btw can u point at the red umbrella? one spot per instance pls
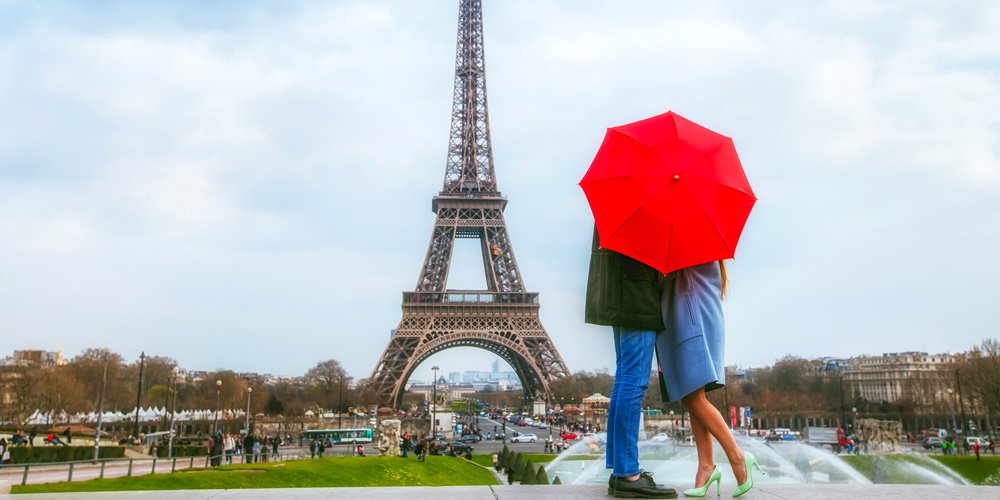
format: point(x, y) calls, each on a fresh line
point(668, 192)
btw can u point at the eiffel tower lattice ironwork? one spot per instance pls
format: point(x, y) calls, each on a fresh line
point(502, 319)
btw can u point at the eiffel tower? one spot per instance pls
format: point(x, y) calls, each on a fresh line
point(502, 319)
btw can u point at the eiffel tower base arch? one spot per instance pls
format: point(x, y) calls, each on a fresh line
point(512, 331)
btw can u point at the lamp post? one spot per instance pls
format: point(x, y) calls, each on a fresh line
point(215, 420)
point(246, 426)
point(843, 417)
point(854, 426)
point(340, 403)
point(961, 401)
point(434, 392)
point(100, 411)
point(173, 412)
point(138, 397)
point(951, 406)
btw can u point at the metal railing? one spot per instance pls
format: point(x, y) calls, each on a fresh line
point(471, 297)
point(136, 466)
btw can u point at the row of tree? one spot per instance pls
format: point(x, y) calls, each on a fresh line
point(791, 386)
point(77, 386)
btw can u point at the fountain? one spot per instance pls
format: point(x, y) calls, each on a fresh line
point(786, 462)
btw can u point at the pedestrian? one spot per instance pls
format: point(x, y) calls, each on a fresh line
point(275, 444)
point(975, 448)
point(4, 451)
point(31, 436)
point(69, 435)
point(419, 450)
point(217, 448)
point(624, 294)
point(496, 462)
point(312, 448)
point(256, 451)
point(248, 448)
point(229, 447)
point(320, 448)
point(361, 450)
point(406, 445)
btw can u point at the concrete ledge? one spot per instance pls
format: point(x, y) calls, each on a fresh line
point(590, 491)
point(5, 487)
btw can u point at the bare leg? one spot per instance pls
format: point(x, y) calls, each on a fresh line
point(703, 443)
point(715, 424)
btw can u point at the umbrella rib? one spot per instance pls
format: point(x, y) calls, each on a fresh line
point(714, 223)
point(727, 186)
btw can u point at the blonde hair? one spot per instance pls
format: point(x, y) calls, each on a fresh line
point(725, 280)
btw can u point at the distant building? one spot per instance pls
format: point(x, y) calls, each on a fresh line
point(917, 376)
point(828, 365)
point(739, 374)
point(36, 359)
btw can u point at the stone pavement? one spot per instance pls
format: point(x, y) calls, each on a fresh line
point(564, 492)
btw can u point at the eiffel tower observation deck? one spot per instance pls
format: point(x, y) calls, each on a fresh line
point(503, 318)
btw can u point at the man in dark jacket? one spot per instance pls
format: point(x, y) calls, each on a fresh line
point(248, 448)
point(624, 294)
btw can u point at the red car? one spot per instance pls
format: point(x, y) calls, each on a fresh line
point(569, 436)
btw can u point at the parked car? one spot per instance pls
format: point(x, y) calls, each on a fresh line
point(931, 442)
point(521, 423)
point(457, 448)
point(468, 438)
point(569, 436)
point(524, 438)
point(983, 442)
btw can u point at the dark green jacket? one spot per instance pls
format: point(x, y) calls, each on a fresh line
point(622, 291)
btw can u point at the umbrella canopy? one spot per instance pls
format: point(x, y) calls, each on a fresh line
point(668, 192)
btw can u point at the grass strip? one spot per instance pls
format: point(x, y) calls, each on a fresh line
point(316, 473)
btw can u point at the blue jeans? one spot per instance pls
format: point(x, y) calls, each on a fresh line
point(633, 359)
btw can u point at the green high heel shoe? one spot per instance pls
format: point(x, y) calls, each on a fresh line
point(716, 478)
point(751, 462)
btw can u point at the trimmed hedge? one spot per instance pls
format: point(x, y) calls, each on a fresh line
point(541, 477)
point(44, 454)
point(182, 451)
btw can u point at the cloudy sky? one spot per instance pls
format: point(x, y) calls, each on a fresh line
point(247, 185)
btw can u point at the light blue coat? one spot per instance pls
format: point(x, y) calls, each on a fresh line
point(690, 351)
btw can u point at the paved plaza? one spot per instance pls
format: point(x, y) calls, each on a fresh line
point(782, 492)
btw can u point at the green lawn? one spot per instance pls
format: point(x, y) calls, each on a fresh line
point(318, 473)
point(967, 467)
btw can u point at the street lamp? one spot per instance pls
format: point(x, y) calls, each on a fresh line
point(173, 412)
point(100, 410)
point(138, 397)
point(434, 392)
point(951, 406)
point(854, 426)
point(215, 421)
point(961, 401)
point(246, 426)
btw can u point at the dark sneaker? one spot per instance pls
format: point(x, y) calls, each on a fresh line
point(611, 486)
point(644, 487)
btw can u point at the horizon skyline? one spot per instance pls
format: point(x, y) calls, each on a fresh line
point(444, 374)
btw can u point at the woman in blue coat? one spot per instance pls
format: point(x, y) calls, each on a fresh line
point(690, 353)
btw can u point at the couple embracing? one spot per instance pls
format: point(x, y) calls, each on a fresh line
point(670, 200)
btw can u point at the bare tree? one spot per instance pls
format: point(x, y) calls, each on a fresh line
point(980, 372)
point(327, 376)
